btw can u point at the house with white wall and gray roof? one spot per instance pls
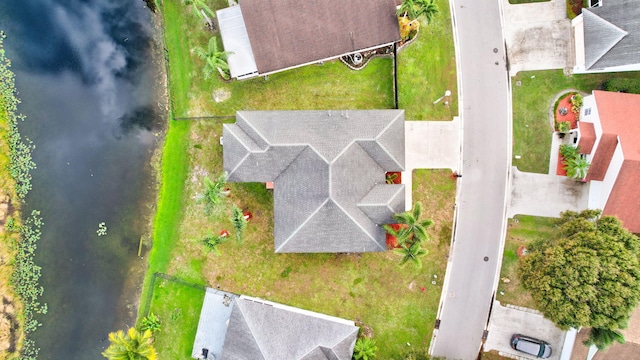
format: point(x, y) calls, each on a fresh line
point(233, 327)
point(328, 169)
point(607, 37)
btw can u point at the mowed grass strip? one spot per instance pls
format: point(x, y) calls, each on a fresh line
point(532, 101)
point(427, 68)
point(521, 231)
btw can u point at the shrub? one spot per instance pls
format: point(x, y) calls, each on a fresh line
point(631, 86)
point(365, 349)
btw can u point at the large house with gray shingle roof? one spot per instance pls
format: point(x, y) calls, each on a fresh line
point(609, 137)
point(268, 36)
point(607, 37)
point(328, 169)
point(235, 327)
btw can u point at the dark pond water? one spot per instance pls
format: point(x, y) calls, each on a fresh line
point(85, 74)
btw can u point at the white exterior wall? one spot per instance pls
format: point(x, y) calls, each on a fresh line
point(577, 26)
point(612, 175)
point(589, 102)
point(595, 188)
point(630, 67)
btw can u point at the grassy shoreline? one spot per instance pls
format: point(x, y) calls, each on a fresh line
point(8, 239)
point(19, 275)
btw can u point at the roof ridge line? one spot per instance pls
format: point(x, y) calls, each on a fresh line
point(303, 223)
point(372, 238)
point(621, 34)
point(248, 123)
point(251, 329)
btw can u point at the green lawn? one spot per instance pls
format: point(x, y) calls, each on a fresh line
point(328, 86)
point(532, 100)
point(370, 288)
point(427, 68)
point(521, 231)
point(179, 317)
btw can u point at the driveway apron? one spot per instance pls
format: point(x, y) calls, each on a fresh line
point(538, 36)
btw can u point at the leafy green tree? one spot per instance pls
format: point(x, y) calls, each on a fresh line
point(214, 192)
point(130, 346)
point(215, 60)
point(365, 349)
point(202, 11)
point(151, 323)
point(212, 242)
point(603, 338)
point(415, 229)
point(587, 274)
point(577, 167)
point(411, 253)
point(239, 222)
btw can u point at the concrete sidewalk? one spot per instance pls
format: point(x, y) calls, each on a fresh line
point(430, 145)
point(538, 36)
point(545, 195)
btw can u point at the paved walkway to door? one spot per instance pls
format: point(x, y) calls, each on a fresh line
point(430, 145)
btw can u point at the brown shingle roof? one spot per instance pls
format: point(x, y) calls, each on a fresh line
point(587, 137)
point(287, 33)
point(602, 158)
point(624, 200)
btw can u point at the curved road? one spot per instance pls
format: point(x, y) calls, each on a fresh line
point(486, 114)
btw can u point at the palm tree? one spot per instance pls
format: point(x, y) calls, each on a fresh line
point(202, 10)
point(211, 242)
point(416, 8)
point(214, 192)
point(239, 222)
point(577, 167)
point(365, 349)
point(416, 230)
point(569, 151)
point(130, 346)
point(411, 253)
point(402, 233)
point(215, 60)
point(603, 338)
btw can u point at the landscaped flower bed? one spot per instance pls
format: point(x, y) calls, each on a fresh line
point(566, 111)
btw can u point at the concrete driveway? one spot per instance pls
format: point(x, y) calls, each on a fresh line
point(508, 320)
point(538, 36)
point(430, 145)
point(545, 195)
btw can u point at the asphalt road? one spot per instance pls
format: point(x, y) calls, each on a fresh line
point(485, 112)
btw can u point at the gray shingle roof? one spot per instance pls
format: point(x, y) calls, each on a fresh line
point(287, 33)
point(612, 34)
point(328, 169)
point(263, 330)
